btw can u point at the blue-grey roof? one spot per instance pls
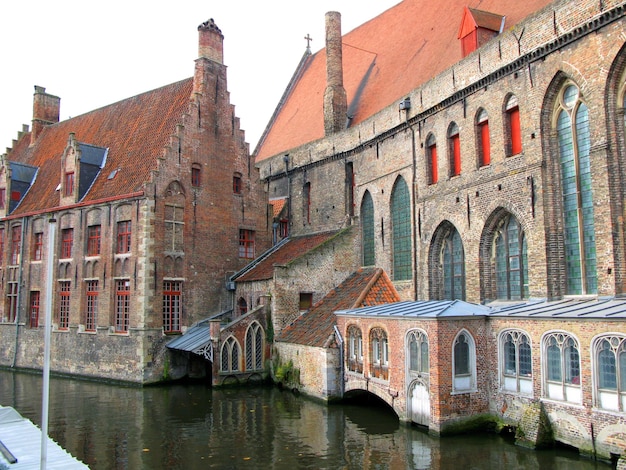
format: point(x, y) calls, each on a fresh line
point(593, 308)
point(23, 440)
point(420, 309)
point(194, 339)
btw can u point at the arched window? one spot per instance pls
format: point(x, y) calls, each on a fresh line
point(355, 352)
point(431, 159)
point(464, 363)
point(418, 352)
point(513, 127)
point(561, 364)
point(379, 354)
point(401, 229)
point(367, 230)
point(230, 355)
point(254, 347)
point(511, 263)
point(482, 138)
point(516, 362)
point(242, 306)
point(453, 263)
point(609, 355)
point(574, 150)
point(454, 149)
point(306, 203)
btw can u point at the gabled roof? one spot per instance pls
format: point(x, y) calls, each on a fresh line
point(290, 250)
point(474, 19)
point(135, 132)
point(367, 286)
point(383, 60)
point(277, 205)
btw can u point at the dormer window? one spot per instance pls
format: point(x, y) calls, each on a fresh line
point(68, 187)
point(477, 28)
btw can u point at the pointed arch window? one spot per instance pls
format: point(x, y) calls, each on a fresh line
point(418, 352)
point(464, 363)
point(355, 353)
point(482, 138)
point(454, 149)
point(431, 159)
point(367, 230)
point(562, 367)
point(574, 149)
point(230, 355)
point(511, 260)
point(254, 347)
point(401, 230)
point(379, 354)
point(242, 306)
point(453, 264)
point(609, 355)
point(516, 362)
point(513, 127)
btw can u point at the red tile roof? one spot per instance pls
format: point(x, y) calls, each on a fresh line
point(383, 60)
point(365, 287)
point(291, 250)
point(277, 205)
point(134, 131)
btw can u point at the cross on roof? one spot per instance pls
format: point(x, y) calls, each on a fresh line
point(308, 41)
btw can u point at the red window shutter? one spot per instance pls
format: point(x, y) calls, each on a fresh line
point(456, 148)
point(434, 174)
point(486, 145)
point(516, 131)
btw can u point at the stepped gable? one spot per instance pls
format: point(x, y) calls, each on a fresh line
point(285, 254)
point(366, 287)
point(135, 132)
point(383, 60)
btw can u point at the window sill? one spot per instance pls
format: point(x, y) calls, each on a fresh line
point(554, 401)
point(463, 392)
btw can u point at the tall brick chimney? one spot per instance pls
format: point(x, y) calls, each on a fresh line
point(46, 109)
point(210, 42)
point(335, 99)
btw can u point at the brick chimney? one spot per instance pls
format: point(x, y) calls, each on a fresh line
point(335, 100)
point(210, 42)
point(46, 110)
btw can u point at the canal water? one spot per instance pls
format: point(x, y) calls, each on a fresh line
point(191, 426)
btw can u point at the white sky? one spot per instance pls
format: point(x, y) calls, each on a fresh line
point(91, 54)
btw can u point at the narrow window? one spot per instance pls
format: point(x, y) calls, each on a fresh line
point(349, 185)
point(242, 306)
point(610, 366)
point(516, 362)
point(431, 158)
point(306, 203)
point(230, 355)
point(68, 188)
point(573, 132)
point(379, 364)
point(355, 354)
point(454, 150)
point(453, 263)
point(34, 309)
point(254, 347)
point(401, 231)
point(123, 236)
point(237, 186)
point(511, 260)
point(367, 230)
point(195, 175)
point(172, 305)
point(464, 363)
point(1, 246)
point(562, 365)
point(246, 244)
point(11, 315)
point(64, 305)
point(67, 240)
point(484, 144)
point(122, 305)
point(91, 307)
point(16, 244)
point(513, 127)
point(38, 246)
point(93, 240)
point(418, 352)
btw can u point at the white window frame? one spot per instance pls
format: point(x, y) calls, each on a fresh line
point(464, 383)
point(562, 390)
point(514, 382)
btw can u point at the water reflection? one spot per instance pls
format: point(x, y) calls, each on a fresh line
point(190, 426)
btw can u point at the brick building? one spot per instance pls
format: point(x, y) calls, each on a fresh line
point(155, 202)
point(480, 155)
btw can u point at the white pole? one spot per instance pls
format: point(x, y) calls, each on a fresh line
point(46, 354)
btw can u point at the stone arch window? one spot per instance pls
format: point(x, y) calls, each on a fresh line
point(355, 349)
point(511, 260)
point(417, 352)
point(431, 159)
point(454, 149)
point(401, 231)
point(609, 360)
point(254, 347)
point(367, 230)
point(512, 127)
point(379, 354)
point(515, 362)
point(453, 266)
point(574, 142)
point(463, 363)
point(230, 355)
point(242, 306)
point(483, 142)
point(561, 365)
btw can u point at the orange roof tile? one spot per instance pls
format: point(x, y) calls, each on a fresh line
point(134, 131)
point(365, 287)
point(277, 205)
point(383, 60)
